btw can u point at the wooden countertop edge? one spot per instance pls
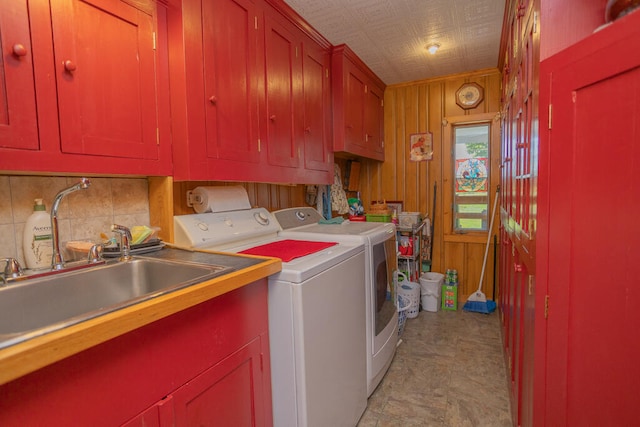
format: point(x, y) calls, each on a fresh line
point(31, 355)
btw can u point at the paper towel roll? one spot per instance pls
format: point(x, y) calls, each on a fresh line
point(219, 199)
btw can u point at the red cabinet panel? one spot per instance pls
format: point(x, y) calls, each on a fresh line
point(592, 271)
point(105, 59)
point(18, 121)
point(373, 120)
point(231, 393)
point(230, 74)
point(283, 93)
point(318, 150)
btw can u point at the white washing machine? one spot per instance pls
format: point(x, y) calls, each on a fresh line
point(379, 241)
point(316, 315)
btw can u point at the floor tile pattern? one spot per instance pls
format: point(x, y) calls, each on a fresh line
point(449, 370)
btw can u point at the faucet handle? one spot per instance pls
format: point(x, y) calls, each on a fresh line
point(95, 253)
point(13, 269)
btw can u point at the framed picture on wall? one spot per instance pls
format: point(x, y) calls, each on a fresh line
point(420, 146)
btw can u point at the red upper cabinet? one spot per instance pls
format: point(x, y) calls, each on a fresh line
point(18, 121)
point(358, 109)
point(241, 116)
point(95, 98)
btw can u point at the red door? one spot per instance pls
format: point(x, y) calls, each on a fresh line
point(284, 113)
point(354, 106)
point(104, 56)
point(18, 122)
point(317, 92)
point(592, 228)
point(230, 74)
point(228, 394)
point(373, 119)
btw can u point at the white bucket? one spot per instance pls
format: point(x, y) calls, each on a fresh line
point(430, 288)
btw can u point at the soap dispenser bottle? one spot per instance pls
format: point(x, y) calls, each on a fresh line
point(37, 242)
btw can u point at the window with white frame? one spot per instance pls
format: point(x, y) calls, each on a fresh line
point(471, 180)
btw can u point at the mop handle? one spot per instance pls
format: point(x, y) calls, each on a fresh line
point(486, 249)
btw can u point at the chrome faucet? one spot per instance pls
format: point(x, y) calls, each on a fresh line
point(125, 241)
point(57, 261)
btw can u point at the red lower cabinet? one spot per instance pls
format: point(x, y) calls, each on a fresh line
point(226, 393)
point(208, 365)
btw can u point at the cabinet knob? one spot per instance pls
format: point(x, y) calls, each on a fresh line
point(517, 268)
point(213, 99)
point(349, 126)
point(307, 129)
point(272, 118)
point(19, 50)
point(69, 65)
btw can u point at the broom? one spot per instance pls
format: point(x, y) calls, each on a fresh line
point(477, 301)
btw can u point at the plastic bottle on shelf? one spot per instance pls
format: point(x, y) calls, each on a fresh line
point(37, 239)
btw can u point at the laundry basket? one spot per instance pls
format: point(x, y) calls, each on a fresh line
point(411, 291)
point(403, 307)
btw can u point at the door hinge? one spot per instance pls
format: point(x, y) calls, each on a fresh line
point(255, 22)
point(530, 284)
point(550, 114)
point(535, 22)
point(259, 145)
point(157, 136)
point(366, 89)
point(154, 40)
point(546, 306)
point(296, 51)
point(326, 72)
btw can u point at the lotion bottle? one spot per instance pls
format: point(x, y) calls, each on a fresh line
point(37, 243)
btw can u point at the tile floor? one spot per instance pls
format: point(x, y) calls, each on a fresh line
point(449, 370)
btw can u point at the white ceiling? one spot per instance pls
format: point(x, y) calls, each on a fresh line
point(391, 36)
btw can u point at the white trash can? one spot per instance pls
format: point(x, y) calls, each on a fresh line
point(430, 287)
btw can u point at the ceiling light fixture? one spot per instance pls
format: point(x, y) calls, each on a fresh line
point(433, 48)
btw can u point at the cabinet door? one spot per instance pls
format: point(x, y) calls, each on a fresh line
point(228, 394)
point(230, 75)
point(283, 70)
point(591, 225)
point(373, 119)
point(354, 109)
point(18, 123)
point(105, 63)
point(317, 92)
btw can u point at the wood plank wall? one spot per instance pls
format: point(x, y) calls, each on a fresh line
point(422, 106)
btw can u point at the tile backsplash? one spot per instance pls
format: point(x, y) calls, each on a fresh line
point(82, 215)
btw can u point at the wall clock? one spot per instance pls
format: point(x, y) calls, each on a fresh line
point(469, 95)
